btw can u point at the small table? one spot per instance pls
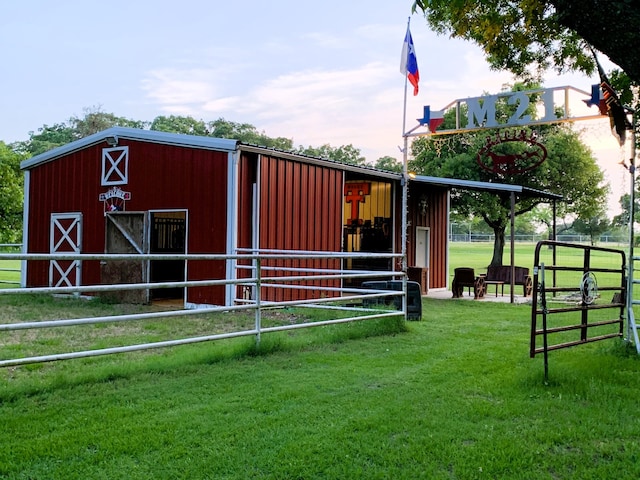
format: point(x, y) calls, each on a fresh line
point(497, 283)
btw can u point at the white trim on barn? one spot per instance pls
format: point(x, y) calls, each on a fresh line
point(232, 222)
point(25, 228)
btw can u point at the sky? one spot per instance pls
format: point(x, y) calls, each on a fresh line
point(315, 72)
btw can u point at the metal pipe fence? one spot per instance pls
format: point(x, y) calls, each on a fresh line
point(535, 238)
point(328, 288)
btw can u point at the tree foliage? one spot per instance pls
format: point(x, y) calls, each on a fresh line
point(569, 170)
point(220, 128)
point(11, 184)
point(345, 154)
point(94, 120)
point(388, 163)
point(529, 36)
point(594, 227)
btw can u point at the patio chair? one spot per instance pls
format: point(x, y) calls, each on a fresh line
point(465, 277)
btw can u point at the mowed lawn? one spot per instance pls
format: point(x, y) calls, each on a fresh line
point(454, 396)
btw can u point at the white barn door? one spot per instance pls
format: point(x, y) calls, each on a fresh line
point(65, 236)
point(422, 247)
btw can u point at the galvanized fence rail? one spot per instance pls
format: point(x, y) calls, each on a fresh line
point(333, 297)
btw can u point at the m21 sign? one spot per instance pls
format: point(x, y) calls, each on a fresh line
point(551, 105)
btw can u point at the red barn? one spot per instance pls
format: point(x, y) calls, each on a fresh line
point(137, 191)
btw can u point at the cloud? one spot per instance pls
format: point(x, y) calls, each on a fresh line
point(313, 106)
point(325, 40)
point(172, 88)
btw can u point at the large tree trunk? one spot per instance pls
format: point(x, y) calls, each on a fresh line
point(498, 246)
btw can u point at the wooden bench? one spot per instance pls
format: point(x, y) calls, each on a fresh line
point(501, 275)
point(465, 277)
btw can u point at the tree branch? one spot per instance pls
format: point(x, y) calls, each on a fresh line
point(611, 26)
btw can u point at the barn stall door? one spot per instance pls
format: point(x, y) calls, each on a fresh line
point(127, 233)
point(65, 237)
point(167, 236)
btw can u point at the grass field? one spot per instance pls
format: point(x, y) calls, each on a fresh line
point(454, 396)
point(9, 273)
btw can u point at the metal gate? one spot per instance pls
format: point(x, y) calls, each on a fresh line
point(573, 297)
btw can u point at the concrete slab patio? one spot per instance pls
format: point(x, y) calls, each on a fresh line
point(444, 294)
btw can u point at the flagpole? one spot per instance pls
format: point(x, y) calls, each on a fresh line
point(405, 175)
point(406, 81)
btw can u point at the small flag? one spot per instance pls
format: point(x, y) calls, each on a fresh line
point(409, 63)
point(597, 98)
point(433, 119)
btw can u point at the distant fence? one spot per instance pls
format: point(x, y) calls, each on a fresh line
point(343, 305)
point(535, 238)
point(9, 273)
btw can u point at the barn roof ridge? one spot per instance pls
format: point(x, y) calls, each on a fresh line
point(156, 136)
point(311, 159)
point(187, 140)
point(180, 139)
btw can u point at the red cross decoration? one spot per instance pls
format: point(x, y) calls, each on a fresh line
point(355, 194)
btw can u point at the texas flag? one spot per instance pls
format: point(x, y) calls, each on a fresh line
point(433, 119)
point(409, 63)
point(597, 98)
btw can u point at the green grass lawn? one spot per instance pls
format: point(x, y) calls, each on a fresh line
point(454, 396)
point(477, 255)
point(9, 277)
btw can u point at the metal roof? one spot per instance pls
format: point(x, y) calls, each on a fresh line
point(195, 141)
point(361, 169)
point(485, 186)
point(210, 143)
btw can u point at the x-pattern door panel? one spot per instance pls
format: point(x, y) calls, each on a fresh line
point(65, 237)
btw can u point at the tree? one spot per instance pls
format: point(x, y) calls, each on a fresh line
point(247, 133)
point(567, 159)
point(594, 226)
point(344, 154)
point(179, 124)
point(388, 163)
point(94, 120)
point(10, 195)
point(623, 218)
point(517, 35)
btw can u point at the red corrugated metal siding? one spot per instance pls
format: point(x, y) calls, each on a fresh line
point(300, 208)
point(65, 186)
point(436, 219)
point(247, 174)
point(160, 177)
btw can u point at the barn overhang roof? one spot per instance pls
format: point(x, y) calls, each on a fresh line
point(456, 183)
